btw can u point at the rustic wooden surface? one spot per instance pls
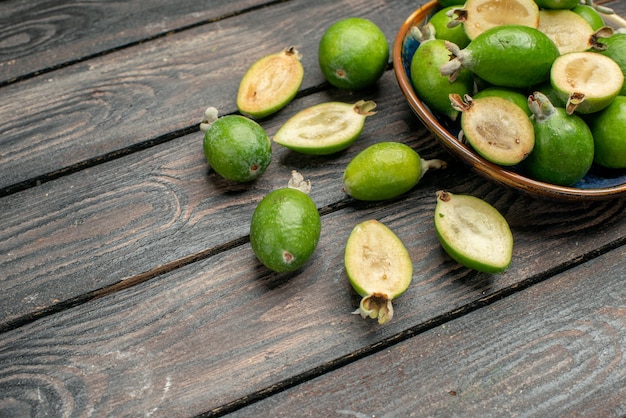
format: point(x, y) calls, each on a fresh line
point(128, 284)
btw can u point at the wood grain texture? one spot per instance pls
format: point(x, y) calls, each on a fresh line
point(140, 94)
point(153, 209)
point(139, 294)
point(131, 215)
point(220, 330)
point(530, 354)
point(37, 36)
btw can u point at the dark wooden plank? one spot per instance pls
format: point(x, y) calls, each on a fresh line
point(158, 208)
point(213, 332)
point(533, 353)
point(109, 223)
point(145, 93)
point(37, 36)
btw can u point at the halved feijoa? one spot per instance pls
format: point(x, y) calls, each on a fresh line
point(473, 232)
point(587, 81)
point(270, 84)
point(325, 128)
point(568, 30)
point(496, 128)
point(378, 267)
point(478, 16)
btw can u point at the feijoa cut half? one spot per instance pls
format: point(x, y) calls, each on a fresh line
point(568, 30)
point(473, 232)
point(325, 128)
point(379, 268)
point(587, 81)
point(478, 16)
point(496, 128)
point(270, 84)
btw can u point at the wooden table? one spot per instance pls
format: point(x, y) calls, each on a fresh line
point(129, 287)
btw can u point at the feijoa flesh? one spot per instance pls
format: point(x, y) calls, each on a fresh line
point(587, 81)
point(473, 232)
point(270, 84)
point(496, 128)
point(478, 16)
point(378, 267)
point(325, 128)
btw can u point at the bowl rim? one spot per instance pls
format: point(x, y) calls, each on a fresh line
point(459, 150)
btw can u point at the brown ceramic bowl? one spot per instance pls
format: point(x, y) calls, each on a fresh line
point(596, 185)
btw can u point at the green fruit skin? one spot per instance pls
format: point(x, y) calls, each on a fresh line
point(590, 14)
point(337, 50)
point(616, 50)
point(285, 220)
point(237, 148)
point(382, 171)
point(563, 151)
point(511, 56)
point(433, 88)
point(447, 3)
point(607, 128)
point(557, 4)
point(511, 95)
point(456, 34)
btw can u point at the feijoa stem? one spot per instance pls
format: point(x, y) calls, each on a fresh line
point(540, 106)
point(365, 108)
point(603, 32)
point(376, 306)
point(298, 182)
point(453, 67)
point(461, 104)
point(573, 101)
point(210, 116)
point(435, 164)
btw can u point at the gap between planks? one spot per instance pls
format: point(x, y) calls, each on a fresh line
point(408, 333)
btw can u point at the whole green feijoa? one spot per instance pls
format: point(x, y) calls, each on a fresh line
point(385, 170)
point(514, 56)
point(285, 229)
point(590, 14)
point(353, 53)
point(445, 29)
point(236, 147)
point(512, 95)
point(608, 127)
point(564, 147)
point(432, 87)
